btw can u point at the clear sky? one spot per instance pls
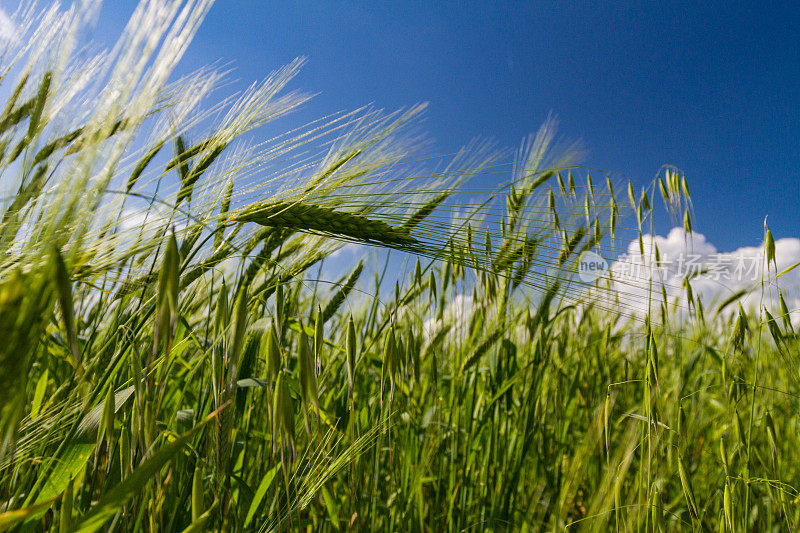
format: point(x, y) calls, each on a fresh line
point(713, 89)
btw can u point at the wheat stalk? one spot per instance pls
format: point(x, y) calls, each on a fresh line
point(301, 216)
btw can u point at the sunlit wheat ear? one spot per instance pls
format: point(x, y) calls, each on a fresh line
point(351, 349)
point(306, 217)
point(283, 415)
point(308, 380)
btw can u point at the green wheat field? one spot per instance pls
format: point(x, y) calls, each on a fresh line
point(207, 323)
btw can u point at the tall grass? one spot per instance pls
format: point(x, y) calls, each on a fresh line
point(172, 360)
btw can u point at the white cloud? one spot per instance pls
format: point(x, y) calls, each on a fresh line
point(341, 261)
point(8, 30)
point(457, 313)
point(147, 220)
point(348, 251)
point(714, 275)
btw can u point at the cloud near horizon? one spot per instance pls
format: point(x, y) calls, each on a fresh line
point(713, 275)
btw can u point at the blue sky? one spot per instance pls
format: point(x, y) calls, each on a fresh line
point(713, 89)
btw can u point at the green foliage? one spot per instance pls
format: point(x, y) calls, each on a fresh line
point(171, 361)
